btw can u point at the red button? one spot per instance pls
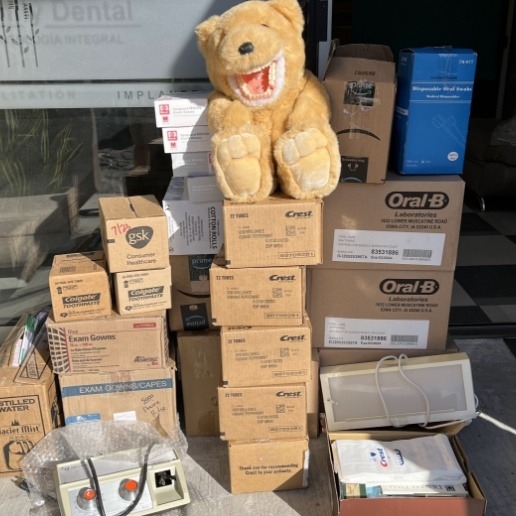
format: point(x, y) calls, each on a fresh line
point(89, 494)
point(130, 485)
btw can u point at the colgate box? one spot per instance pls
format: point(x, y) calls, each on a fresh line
point(408, 222)
point(79, 286)
point(134, 233)
point(379, 309)
point(108, 344)
point(143, 291)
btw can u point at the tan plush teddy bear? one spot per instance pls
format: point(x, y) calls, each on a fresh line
point(269, 116)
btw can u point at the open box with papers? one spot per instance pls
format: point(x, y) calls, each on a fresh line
point(472, 504)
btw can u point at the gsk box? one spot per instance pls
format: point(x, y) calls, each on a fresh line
point(29, 405)
point(79, 286)
point(361, 82)
point(435, 88)
point(132, 395)
point(134, 233)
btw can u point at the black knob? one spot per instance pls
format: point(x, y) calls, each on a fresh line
point(246, 48)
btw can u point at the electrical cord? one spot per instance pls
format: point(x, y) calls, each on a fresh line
point(141, 485)
point(425, 397)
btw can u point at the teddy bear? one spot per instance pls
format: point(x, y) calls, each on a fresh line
point(268, 115)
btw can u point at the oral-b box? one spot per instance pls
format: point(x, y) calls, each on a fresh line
point(433, 102)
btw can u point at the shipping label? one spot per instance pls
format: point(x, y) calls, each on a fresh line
point(393, 247)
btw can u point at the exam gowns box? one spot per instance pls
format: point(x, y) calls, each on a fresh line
point(376, 308)
point(29, 405)
point(134, 233)
point(408, 222)
point(131, 395)
point(108, 344)
point(433, 103)
point(361, 83)
point(277, 231)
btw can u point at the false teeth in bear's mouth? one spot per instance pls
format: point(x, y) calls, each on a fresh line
point(260, 84)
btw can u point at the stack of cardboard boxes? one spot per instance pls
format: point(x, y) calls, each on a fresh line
point(193, 205)
point(390, 239)
point(111, 351)
point(268, 399)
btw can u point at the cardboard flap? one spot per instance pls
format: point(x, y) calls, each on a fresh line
point(364, 51)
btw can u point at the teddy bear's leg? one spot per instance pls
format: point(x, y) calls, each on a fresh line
point(243, 163)
point(308, 160)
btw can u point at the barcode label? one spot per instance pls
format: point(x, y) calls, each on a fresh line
point(417, 253)
point(450, 488)
point(404, 339)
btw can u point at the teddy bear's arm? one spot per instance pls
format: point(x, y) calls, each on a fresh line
point(312, 103)
point(224, 113)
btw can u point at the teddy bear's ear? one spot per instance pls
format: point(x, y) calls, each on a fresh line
point(204, 29)
point(291, 10)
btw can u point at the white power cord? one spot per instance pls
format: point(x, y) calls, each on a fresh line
point(413, 384)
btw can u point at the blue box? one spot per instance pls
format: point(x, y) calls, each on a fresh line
point(433, 102)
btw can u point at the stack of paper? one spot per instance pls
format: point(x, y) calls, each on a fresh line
point(421, 466)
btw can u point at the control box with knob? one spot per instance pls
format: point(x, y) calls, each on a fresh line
point(119, 483)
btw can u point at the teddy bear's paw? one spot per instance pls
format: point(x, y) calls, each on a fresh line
point(306, 156)
point(242, 167)
point(239, 160)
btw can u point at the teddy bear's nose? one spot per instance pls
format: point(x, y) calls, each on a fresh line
point(246, 48)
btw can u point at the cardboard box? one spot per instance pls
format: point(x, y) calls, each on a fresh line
point(191, 272)
point(181, 109)
point(379, 308)
point(203, 189)
point(266, 355)
point(137, 395)
point(433, 102)
point(361, 82)
point(195, 138)
point(201, 375)
point(194, 228)
point(108, 344)
point(134, 233)
point(264, 412)
point(339, 356)
point(474, 505)
point(143, 291)
point(258, 296)
point(190, 311)
point(189, 164)
point(312, 398)
point(409, 222)
point(29, 405)
point(79, 286)
point(268, 466)
point(277, 231)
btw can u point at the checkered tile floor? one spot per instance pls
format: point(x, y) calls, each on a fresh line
point(484, 294)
